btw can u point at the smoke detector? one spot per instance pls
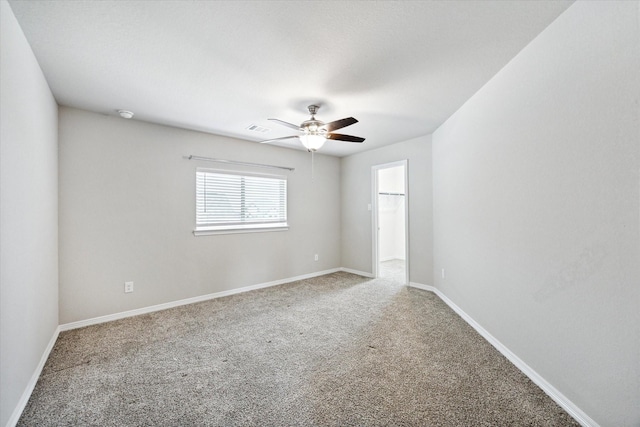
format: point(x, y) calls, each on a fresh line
point(125, 114)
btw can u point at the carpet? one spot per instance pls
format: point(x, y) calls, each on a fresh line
point(335, 350)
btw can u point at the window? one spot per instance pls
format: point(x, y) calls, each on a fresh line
point(228, 202)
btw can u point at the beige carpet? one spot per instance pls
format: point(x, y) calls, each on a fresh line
point(393, 270)
point(337, 350)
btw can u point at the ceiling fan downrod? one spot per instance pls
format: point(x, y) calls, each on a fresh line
point(313, 109)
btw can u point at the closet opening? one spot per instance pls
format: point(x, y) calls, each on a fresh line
point(390, 221)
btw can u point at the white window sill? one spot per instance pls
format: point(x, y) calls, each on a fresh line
point(260, 228)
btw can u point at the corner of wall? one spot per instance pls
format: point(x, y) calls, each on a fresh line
point(29, 225)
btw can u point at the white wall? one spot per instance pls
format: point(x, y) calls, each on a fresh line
point(391, 214)
point(28, 214)
point(356, 195)
point(391, 180)
point(536, 208)
point(391, 223)
point(127, 211)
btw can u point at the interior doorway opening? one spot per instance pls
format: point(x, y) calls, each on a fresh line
point(391, 237)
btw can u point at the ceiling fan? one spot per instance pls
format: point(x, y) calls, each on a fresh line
point(316, 132)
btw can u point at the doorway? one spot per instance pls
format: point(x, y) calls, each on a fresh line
point(391, 221)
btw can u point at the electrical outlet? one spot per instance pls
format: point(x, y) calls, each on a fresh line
point(128, 287)
point(316, 257)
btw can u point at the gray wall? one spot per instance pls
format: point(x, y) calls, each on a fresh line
point(536, 208)
point(127, 211)
point(28, 213)
point(356, 195)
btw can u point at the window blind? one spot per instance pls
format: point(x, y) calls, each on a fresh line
point(227, 200)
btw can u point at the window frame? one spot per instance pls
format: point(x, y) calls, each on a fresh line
point(235, 227)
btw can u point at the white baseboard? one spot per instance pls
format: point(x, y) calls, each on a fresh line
point(167, 305)
point(26, 394)
point(550, 390)
point(358, 272)
point(423, 287)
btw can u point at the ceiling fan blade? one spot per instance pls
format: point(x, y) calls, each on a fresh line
point(339, 124)
point(287, 124)
point(266, 141)
point(341, 137)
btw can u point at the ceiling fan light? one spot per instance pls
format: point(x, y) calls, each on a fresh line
point(312, 142)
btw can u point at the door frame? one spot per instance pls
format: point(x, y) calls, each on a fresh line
point(374, 214)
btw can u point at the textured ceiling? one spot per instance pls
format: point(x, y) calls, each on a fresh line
point(401, 68)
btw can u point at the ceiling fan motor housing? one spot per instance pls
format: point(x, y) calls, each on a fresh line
point(313, 127)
